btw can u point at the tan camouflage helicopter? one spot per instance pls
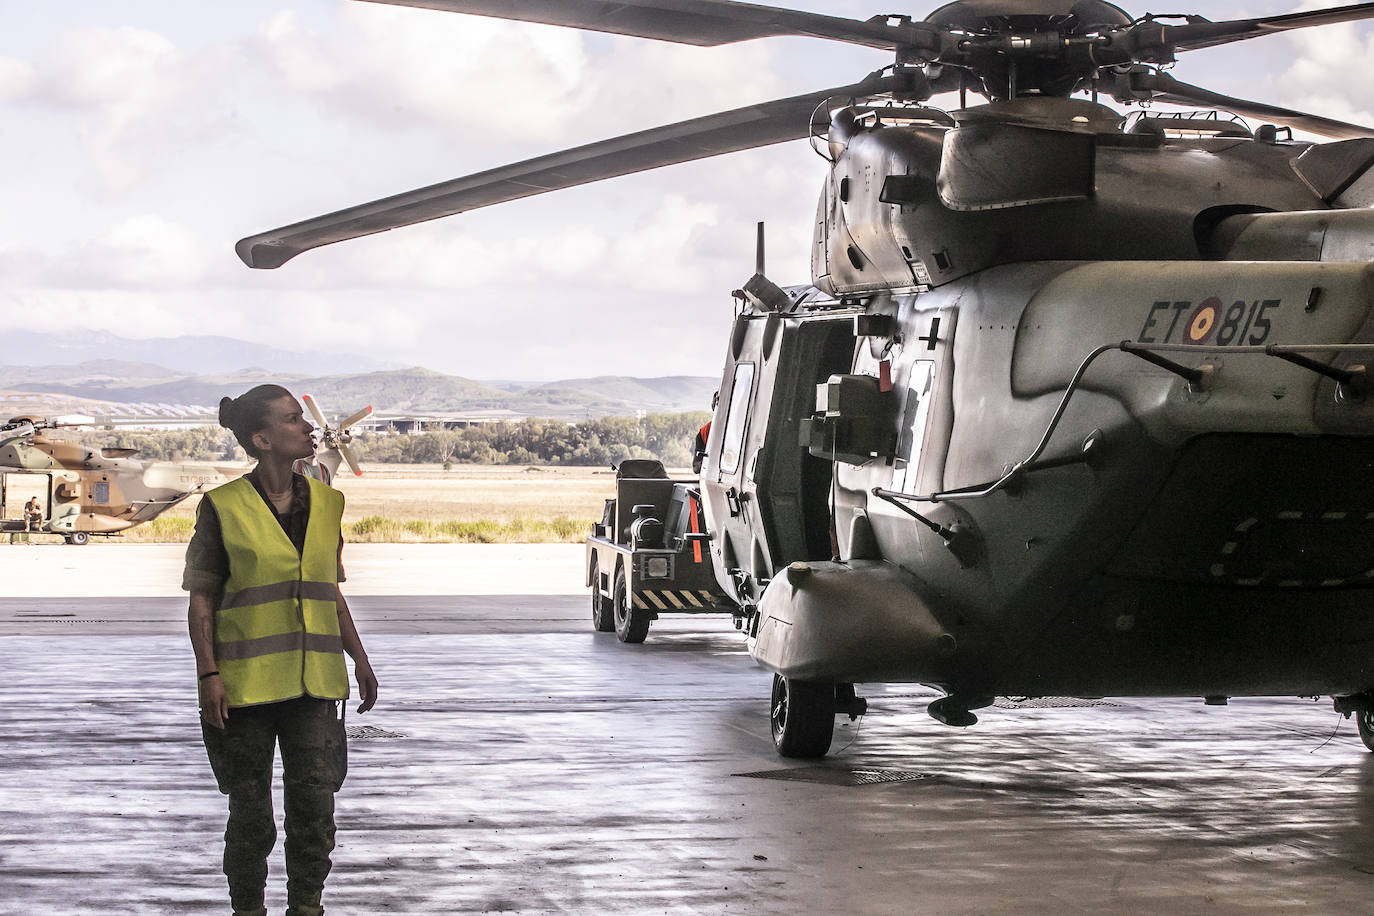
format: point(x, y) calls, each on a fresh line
point(1076, 404)
point(58, 486)
point(80, 490)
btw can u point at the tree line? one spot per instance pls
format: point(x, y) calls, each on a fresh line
point(595, 443)
point(666, 436)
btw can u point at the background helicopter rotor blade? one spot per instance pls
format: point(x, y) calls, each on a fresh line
point(1162, 87)
point(703, 23)
point(350, 459)
point(365, 412)
point(315, 411)
point(685, 141)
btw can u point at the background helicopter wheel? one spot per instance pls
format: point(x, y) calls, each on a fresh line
point(630, 625)
point(78, 538)
point(802, 716)
point(1364, 721)
point(603, 616)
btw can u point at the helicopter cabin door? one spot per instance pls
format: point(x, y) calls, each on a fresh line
point(767, 497)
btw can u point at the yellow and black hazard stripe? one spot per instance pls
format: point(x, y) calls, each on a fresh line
point(670, 599)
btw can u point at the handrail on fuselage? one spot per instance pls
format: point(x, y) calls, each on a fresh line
point(1285, 352)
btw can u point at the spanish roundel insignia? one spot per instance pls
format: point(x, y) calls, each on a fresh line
point(1203, 320)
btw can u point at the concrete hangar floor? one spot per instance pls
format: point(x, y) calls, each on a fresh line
point(520, 763)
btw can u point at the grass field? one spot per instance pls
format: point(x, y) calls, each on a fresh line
point(468, 504)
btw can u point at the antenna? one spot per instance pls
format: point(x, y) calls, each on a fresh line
point(758, 250)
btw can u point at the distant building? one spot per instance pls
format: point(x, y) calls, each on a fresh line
point(410, 424)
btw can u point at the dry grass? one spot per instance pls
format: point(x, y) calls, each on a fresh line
point(468, 504)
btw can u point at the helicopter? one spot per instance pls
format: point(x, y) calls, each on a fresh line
point(331, 445)
point(83, 491)
point(1076, 403)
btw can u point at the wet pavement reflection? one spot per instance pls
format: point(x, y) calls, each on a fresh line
point(537, 767)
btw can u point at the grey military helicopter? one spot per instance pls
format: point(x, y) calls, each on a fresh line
point(1076, 404)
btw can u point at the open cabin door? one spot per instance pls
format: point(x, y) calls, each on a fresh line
point(767, 498)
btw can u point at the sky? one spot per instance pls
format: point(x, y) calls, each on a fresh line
point(143, 138)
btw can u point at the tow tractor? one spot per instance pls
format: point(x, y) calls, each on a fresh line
point(650, 555)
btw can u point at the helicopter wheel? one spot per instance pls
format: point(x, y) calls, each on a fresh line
point(630, 625)
point(603, 616)
point(1364, 721)
point(802, 716)
point(79, 538)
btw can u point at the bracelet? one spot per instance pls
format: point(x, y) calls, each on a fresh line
point(209, 674)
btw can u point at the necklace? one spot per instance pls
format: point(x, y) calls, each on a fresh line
point(277, 497)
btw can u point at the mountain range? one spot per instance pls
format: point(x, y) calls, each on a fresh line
point(89, 385)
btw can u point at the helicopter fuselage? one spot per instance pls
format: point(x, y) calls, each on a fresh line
point(1093, 427)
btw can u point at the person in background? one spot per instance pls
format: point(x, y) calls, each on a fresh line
point(33, 514)
point(703, 436)
point(269, 629)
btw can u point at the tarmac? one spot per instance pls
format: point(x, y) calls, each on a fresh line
point(518, 762)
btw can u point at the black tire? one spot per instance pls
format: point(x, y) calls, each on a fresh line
point(78, 538)
point(1364, 721)
point(603, 615)
point(630, 625)
point(802, 716)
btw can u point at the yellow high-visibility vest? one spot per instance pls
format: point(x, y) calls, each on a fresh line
point(277, 626)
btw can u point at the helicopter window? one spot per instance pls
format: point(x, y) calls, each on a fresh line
point(734, 420)
point(914, 414)
point(100, 492)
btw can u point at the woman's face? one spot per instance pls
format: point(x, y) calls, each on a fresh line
point(287, 433)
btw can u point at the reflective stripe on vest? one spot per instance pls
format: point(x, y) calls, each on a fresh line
point(277, 626)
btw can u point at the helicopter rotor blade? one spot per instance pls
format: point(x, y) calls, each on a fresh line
point(1162, 87)
point(315, 411)
point(685, 141)
point(350, 459)
point(1152, 40)
point(365, 412)
point(1196, 35)
point(704, 23)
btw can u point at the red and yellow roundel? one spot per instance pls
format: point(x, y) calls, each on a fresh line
point(1203, 320)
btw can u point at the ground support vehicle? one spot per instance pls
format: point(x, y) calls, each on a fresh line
point(650, 554)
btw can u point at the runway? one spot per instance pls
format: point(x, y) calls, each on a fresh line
point(517, 762)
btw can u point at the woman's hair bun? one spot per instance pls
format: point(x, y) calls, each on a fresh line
point(226, 413)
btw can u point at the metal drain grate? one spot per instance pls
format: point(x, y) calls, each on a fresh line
point(1050, 703)
point(837, 776)
point(369, 731)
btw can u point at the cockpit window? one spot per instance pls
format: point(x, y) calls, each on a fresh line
point(735, 420)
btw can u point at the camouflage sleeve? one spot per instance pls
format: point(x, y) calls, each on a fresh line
point(207, 562)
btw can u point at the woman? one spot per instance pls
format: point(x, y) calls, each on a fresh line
point(269, 628)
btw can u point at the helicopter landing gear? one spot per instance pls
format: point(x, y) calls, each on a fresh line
point(1364, 721)
point(603, 615)
point(1361, 706)
point(631, 625)
point(802, 716)
point(79, 538)
point(957, 709)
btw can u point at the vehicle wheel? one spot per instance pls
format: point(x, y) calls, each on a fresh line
point(630, 625)
point(802, 716)
point(78, 538)
point(603, 618)
point(1364, 721)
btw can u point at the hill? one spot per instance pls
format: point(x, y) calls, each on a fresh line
point(396, 391)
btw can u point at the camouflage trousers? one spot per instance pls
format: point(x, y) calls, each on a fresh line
point(314, 756)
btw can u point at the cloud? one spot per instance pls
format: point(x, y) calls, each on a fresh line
point(140, 252)
point(122, 81)
point(487, 81)
point(17, 79)
point(1328, 75)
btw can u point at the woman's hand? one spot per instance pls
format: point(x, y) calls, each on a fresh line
point(367, 684)
point(214, 702)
